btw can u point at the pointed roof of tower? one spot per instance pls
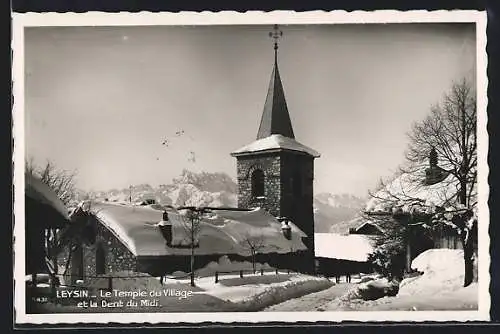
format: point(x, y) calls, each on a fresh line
point(275, 130)
point(275, 117)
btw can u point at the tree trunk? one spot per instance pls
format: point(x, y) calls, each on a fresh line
point(253, 262)
point(68, 261)
point(468, 264)
point(467, 238)
point(463, 192)
point(192, 264)
point(53, 255)
point(408, 256)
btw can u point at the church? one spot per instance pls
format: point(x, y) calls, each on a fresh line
point(275, 176)
point(276, 172)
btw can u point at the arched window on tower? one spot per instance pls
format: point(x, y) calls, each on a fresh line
point(257, 183)
point(100, 260)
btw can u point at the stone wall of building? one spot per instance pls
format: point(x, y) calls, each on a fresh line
point(270, 165)
point(84, 260)
point(289, 178)
point(297, 177)
point(117, 257)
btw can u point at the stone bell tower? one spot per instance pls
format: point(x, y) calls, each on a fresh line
point(276, 172)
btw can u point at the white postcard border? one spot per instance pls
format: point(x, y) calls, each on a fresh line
point(20, 21)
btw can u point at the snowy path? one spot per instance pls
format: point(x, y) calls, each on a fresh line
point(317, 301)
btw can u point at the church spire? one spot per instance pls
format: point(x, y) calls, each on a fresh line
point(275, 118)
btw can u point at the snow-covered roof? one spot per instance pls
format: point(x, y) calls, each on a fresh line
point(43, 194)
point(222, 232)
point(369, 224)
point(405, 187)
point(352, 247)
point(275, 142)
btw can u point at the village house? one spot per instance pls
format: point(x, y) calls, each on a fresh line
point(108, 238)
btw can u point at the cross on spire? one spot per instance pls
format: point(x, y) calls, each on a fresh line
point(276, 34)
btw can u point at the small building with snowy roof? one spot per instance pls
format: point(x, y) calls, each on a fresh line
point(108, 237)
point(367, 228)
point(338, 254)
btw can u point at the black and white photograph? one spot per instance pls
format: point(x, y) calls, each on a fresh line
point(250, 167)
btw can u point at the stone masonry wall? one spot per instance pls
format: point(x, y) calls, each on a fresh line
point(289, 178)
point(270, 165)
point(116, 256)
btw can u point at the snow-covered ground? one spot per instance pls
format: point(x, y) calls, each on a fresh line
point(459, 299)
point(317, 301)
point(438, 288)
point(253, 292)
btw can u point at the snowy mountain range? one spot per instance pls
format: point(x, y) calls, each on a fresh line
point(197, 189)
point(218, 189)
point(335, 213)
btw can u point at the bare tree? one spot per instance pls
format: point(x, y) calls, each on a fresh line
point(192, 227)
point(450, 129)
point(447, 140)
point(61, 181)
point(254, 244)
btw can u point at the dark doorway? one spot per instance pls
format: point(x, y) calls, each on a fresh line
point(100, 260)
point(77, 264)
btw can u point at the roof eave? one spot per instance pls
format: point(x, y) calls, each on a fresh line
point(274, 150)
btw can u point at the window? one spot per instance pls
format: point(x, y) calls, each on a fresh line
point(100, 260)
point(257, 183)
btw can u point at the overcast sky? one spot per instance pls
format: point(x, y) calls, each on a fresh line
point(101, 100)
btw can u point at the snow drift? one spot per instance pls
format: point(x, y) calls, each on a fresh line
point(443, 270)
point(224, 264)
point(438, 287)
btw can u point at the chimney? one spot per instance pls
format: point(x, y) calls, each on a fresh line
point(166, 228)
point(286, 229)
